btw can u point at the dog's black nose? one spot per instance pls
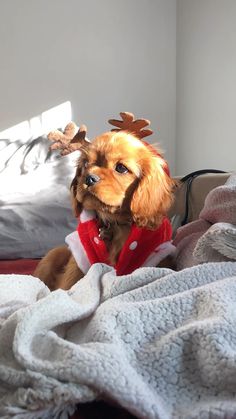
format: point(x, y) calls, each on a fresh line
point(90, 180)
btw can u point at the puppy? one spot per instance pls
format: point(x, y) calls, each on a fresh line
point(121, 193)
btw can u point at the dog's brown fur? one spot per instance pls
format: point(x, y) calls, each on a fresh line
point(141, 195)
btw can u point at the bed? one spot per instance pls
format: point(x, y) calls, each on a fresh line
point(35, 211)
point(118, 323)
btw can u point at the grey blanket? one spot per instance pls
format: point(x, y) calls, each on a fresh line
point(162, 344)
point(211, 238)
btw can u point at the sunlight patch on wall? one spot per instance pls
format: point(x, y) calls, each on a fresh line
point(56, 117)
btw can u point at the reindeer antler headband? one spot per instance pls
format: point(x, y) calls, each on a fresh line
point(70, 140)
point(73, 137)
point(134, 126)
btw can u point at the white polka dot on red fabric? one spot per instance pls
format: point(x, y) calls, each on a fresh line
point(96, 240)
point(133, 245)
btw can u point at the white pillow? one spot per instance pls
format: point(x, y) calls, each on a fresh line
point(35, 207)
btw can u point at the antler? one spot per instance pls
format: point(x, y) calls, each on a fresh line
point(128, 123)
point(70, 140)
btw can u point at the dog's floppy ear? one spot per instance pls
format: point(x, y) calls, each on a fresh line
point(76, 205)
point(153, 195)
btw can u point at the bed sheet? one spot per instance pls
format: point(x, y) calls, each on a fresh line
point(18, 266)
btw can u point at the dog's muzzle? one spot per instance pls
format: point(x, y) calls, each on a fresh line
point(90, 180)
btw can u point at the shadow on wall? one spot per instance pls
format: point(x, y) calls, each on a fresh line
point(56, 117)
point(25, 148)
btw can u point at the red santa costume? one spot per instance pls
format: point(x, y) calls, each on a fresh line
point(143, 247)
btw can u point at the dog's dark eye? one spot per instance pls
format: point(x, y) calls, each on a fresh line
point(120, 168)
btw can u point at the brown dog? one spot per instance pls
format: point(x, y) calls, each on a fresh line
point(121, 190)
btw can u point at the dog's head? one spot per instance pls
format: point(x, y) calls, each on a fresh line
point(120, 177)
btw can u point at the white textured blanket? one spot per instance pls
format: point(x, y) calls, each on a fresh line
point(160, 343)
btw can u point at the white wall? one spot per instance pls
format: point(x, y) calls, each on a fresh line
point(206, 85)
point(111, 55)
point(104, 56)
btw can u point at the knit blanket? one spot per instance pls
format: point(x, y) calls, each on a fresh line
point(162, 344)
